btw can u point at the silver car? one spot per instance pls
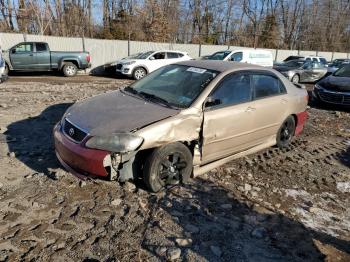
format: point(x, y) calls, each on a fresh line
point(302, 71)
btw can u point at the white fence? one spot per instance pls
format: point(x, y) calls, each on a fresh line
point(104, 51)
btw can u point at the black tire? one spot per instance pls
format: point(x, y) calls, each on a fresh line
point(69, 69)
point(168, 165)
point(139, 73)
point(6, 71)
point(286, 132)
point(296, 79)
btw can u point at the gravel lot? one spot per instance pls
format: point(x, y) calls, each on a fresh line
point(290, 205)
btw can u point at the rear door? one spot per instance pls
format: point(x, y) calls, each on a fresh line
point(172, 57)
point(228, 118)
point(270, 104)
point(22, 57)
point(42, 57)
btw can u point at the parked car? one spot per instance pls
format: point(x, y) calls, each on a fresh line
point(294, 57)
point(110, 67)
point(36, 56)
point(336, 64)
point(299, 71)
point(140, 65)
point(184, 118)
point(251, 56)
point(334, 89)
point(317, 59)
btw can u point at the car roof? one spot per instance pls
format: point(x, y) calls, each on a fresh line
point(170, 51)
point(220, 66)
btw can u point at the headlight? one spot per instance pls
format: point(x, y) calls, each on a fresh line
point(317, 86)
point(129, 63)
point(120, 143)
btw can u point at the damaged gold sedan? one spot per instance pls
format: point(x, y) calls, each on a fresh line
point(181, 120)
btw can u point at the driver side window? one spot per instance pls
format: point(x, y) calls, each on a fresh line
point(234, 89)
point(24, 48)
point(237, 57)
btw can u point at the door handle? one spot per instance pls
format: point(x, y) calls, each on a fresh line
point(30, 54)
point(250, 109)
point(284, 101)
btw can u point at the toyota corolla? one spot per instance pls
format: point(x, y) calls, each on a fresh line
point(181, 120)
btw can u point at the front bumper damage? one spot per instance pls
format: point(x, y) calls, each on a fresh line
point(85, 162)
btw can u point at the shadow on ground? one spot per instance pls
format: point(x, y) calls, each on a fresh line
point(222, 228)
point(31, 139)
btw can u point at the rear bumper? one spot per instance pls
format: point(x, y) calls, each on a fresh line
point(78, 159)
point(301, 120)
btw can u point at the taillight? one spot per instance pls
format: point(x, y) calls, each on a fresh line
point(307, 98)
point(88, 58)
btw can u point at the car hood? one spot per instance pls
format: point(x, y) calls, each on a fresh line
point(123, 61)
point(116, 112)
point(336, 83)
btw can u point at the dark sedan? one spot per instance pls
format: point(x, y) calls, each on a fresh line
point(334, 89)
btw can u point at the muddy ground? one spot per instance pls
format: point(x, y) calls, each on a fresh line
point(290, 205)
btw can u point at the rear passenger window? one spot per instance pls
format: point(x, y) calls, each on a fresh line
point(267, 85)
point(172, 55)
point(40, 47)
point(234, 89)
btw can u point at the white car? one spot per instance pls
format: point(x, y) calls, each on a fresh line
point(251, 56)
point(140, 65)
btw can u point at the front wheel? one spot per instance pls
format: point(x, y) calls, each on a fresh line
point(286, 132)
point(168, 165)
point(70, 69)
point(6, 70)
point(296, 79)
point(139, 73)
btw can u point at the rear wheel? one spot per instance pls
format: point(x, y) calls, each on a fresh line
point(139, 73)
point(286, 132)
point(296, 79)
point(70, 69)
point(168, 165)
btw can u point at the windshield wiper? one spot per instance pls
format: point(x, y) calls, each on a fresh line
point(131, 90)
point(156, 99)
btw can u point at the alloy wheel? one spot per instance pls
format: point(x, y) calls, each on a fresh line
point(140, 73)
point(70, 70)
point(287, 131)
point(170, 169)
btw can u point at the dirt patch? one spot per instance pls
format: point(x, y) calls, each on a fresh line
point(290, 205)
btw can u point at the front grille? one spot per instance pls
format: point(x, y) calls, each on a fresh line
point(335, 98)
point(119, 66)
point(73, 132)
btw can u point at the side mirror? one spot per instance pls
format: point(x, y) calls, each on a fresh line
point(13, 51)
point(211, 101)
point(152, 58)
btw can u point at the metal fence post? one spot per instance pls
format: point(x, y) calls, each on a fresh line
point(200, 50)
point(129, 45)
point(276, 55)
point(83, 42)
point(25, 37)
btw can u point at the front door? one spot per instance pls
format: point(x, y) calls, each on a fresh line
point(228, 118)
point(22, 57)
point(158, 60)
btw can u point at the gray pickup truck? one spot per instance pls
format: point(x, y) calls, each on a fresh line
point(36, 56)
